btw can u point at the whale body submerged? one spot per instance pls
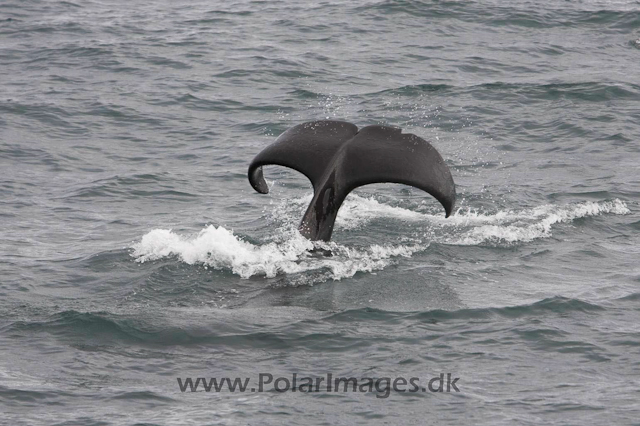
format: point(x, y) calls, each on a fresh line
point(337, 158)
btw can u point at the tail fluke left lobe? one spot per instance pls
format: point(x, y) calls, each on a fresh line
point(308, 148)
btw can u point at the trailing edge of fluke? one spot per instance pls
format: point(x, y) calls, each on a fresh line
point(337, 158)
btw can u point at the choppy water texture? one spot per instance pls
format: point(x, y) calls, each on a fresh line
point(133, 250)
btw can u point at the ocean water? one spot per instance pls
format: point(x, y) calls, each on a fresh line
point(134, 255)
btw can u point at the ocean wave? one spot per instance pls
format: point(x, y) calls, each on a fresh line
point(290, 253)
point(530, 224)
point(554, 305)
point(281, 326)
point(621, 15)
point(466, 226)
point(219, 248)
point(589, 91)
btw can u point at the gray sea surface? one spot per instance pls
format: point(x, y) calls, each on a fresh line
point(134, 254)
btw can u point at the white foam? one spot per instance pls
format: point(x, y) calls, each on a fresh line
point(528, 224)
point(474, 227)
point(219, 248)
point(288, 251)
point(356, 211)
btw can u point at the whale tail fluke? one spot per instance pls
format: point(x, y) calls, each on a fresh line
point(338, 158)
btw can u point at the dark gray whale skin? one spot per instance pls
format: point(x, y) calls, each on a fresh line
point(337, 158)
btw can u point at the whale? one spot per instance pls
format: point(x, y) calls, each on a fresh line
point(337, 157)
